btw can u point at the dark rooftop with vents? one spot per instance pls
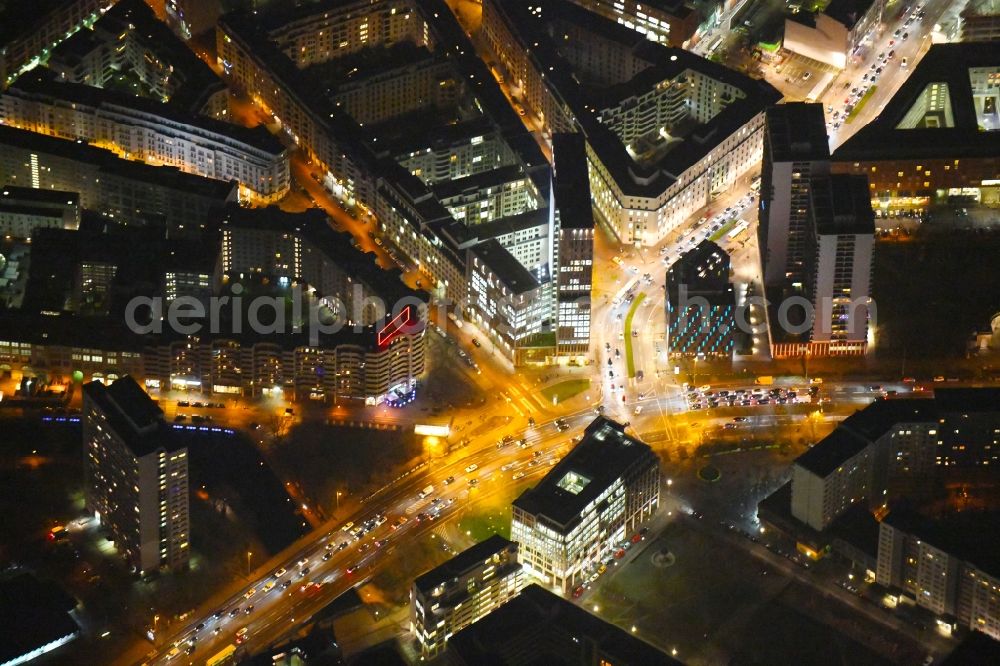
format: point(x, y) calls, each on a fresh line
point(797, 132)
point(33, 614)
point(553, 632)
point(841, 204)
point(133, 415)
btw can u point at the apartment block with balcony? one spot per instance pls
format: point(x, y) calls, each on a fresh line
point(459, 592)
point(136, 476)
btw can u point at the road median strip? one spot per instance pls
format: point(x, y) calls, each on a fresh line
point(629, 361)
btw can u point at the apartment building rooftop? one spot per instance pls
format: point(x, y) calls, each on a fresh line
point(133, 415)
point(589, 469)
point(972, 536)
point(841, 204)
point(832, 451)
point(796, 132)
point(58, 197)
point(511, 272)
point(462, 563)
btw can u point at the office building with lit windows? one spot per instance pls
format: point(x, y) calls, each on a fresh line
point(700, 303)
point(594, 499)
point(937, 140)
point(574, 222)
point(462, 590)
point(149, 131)
point(667, 131)
point(136, 476)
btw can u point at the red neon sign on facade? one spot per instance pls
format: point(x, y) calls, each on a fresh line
point(394, 327)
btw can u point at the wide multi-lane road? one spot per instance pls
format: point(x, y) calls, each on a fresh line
point(314, 582)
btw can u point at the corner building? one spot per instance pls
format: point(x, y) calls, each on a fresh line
point(588, 504)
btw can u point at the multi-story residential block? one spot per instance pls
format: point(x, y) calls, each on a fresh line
point(302, 248)
point(700, 303)
point(539, 622)
point(948, 566)
point(593, 500)
point(936, 140)
point(130, 38)
point(464, 589)
point(365, 366)
point(574, 221)
point(23, 209)
point(149, 131)
point(831, 477)
point(796, 150)
point(980, 21)
point(32, 30)
point(126, 192)
point(438, 188)
point(668, 132)
point(672, 22)
point(840, 247)
point(895, 448)
point(136, 476)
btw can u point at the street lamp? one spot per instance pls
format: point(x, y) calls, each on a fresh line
point(249, 555)
point(338, 500)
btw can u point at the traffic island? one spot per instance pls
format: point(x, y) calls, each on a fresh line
point(709, 473)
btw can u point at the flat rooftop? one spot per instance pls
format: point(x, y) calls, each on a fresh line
point(133, 415)
point(514, 275)
point(572, 181)
point(554, 632)
point(461, 564)
point(832, 451)
point(603, 455)
point(972, 536)
point(34, 613)
point(796, 132)
point(841, 204)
